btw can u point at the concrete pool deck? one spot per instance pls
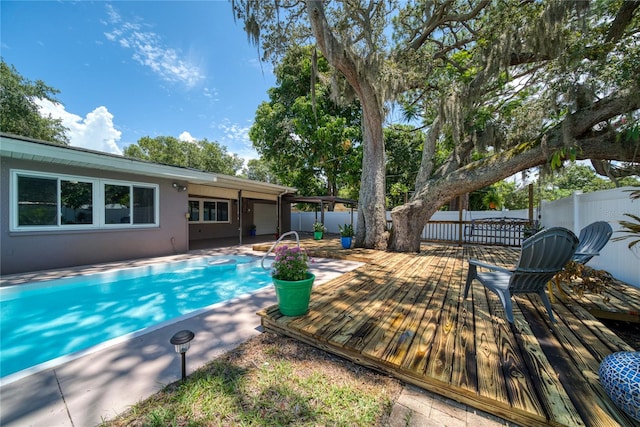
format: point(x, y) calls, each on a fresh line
point(100, 385)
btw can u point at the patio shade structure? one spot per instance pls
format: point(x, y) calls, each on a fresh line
point(322, 201)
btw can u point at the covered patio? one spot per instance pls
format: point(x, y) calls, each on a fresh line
point(404, 314)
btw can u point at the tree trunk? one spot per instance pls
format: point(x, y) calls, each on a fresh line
point(372, 220)
point(408, 222)
point(371, 204)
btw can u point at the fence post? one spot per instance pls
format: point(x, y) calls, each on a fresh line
point(460, 220)
point(575, 206)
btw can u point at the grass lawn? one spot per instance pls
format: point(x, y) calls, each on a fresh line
point(271, 380)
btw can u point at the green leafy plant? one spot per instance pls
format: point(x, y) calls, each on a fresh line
point(319, 227)
point(632, 230)
point(346, 230)
point(291, 263)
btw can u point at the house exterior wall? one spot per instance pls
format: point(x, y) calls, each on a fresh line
point(22, 251)
point(205, 231)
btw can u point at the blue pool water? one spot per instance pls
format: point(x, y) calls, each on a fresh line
point(43, 321)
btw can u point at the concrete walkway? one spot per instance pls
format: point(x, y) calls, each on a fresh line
point(100, 385)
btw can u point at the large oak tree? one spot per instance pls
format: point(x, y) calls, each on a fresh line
point(503, 86)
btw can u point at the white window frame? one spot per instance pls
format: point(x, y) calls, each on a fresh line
point(130, 184)
point(98, 202)
point(201, 202)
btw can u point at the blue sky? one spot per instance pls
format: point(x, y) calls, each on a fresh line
point(129, 69)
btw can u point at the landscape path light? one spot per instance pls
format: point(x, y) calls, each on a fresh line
point(182, 341)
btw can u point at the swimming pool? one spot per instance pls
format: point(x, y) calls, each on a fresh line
point(44, 321)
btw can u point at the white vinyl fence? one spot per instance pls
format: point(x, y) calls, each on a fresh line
point(574, 213)
point(580, 210)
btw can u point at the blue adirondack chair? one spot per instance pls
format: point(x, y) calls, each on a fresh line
point(543, 255)
point(592, 238)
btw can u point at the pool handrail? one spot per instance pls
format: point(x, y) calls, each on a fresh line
point(276, 244)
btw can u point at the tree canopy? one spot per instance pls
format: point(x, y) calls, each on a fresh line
point(202, 155)
point(19, 112)
point(310, 140)
point(499, 86)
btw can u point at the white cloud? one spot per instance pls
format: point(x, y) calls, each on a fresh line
point(186, 137)
point(150, 51)
point(236, 138)
point(96, 131)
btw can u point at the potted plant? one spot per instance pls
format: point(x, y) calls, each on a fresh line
point(252, 230)
point(292, 280)
point(346, 235)
point(318, 230)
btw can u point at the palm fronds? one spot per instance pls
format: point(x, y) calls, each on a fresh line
point(632, 230)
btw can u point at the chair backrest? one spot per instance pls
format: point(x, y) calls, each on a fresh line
point(593, 237)
point(543, 255)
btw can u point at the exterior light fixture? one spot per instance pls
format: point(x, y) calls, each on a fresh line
point(179, 187)
point(182, 341)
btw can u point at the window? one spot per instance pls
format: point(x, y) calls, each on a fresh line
point(194, 210)
point(76, 202)
point(37, 201)
point(116, 204)
point(212, 210)
point(144, 211)
point(51, 202)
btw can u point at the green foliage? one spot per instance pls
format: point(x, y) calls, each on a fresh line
point(403, 147)
point(559, 185)
point(631, 230)
point(559, 156)
point(202, 155)
point(310, 142)
point(19, 113)
point(346, 230)
point(260, 170)
point(492, 200)
point(319, 227)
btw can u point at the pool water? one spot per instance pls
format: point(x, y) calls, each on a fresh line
point(43, 321)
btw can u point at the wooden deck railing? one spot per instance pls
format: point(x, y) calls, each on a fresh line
point(490, 231)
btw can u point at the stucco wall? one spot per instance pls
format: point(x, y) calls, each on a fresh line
point(39, 250)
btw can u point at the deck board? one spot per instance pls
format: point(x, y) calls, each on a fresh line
point(404, 314)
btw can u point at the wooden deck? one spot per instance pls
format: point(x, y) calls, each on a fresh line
point(403, 314)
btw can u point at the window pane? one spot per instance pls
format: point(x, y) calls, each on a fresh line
point(209, 213)
point(37, 201)
point(223, 211)
point(116, 204)
point(194, 210)
point(76, 200)
point(144, 208)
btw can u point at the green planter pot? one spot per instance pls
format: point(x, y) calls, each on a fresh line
point(317, 235)
point(293, 296)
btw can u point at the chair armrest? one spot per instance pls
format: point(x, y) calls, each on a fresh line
point(489, 266)
point(587, 253)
